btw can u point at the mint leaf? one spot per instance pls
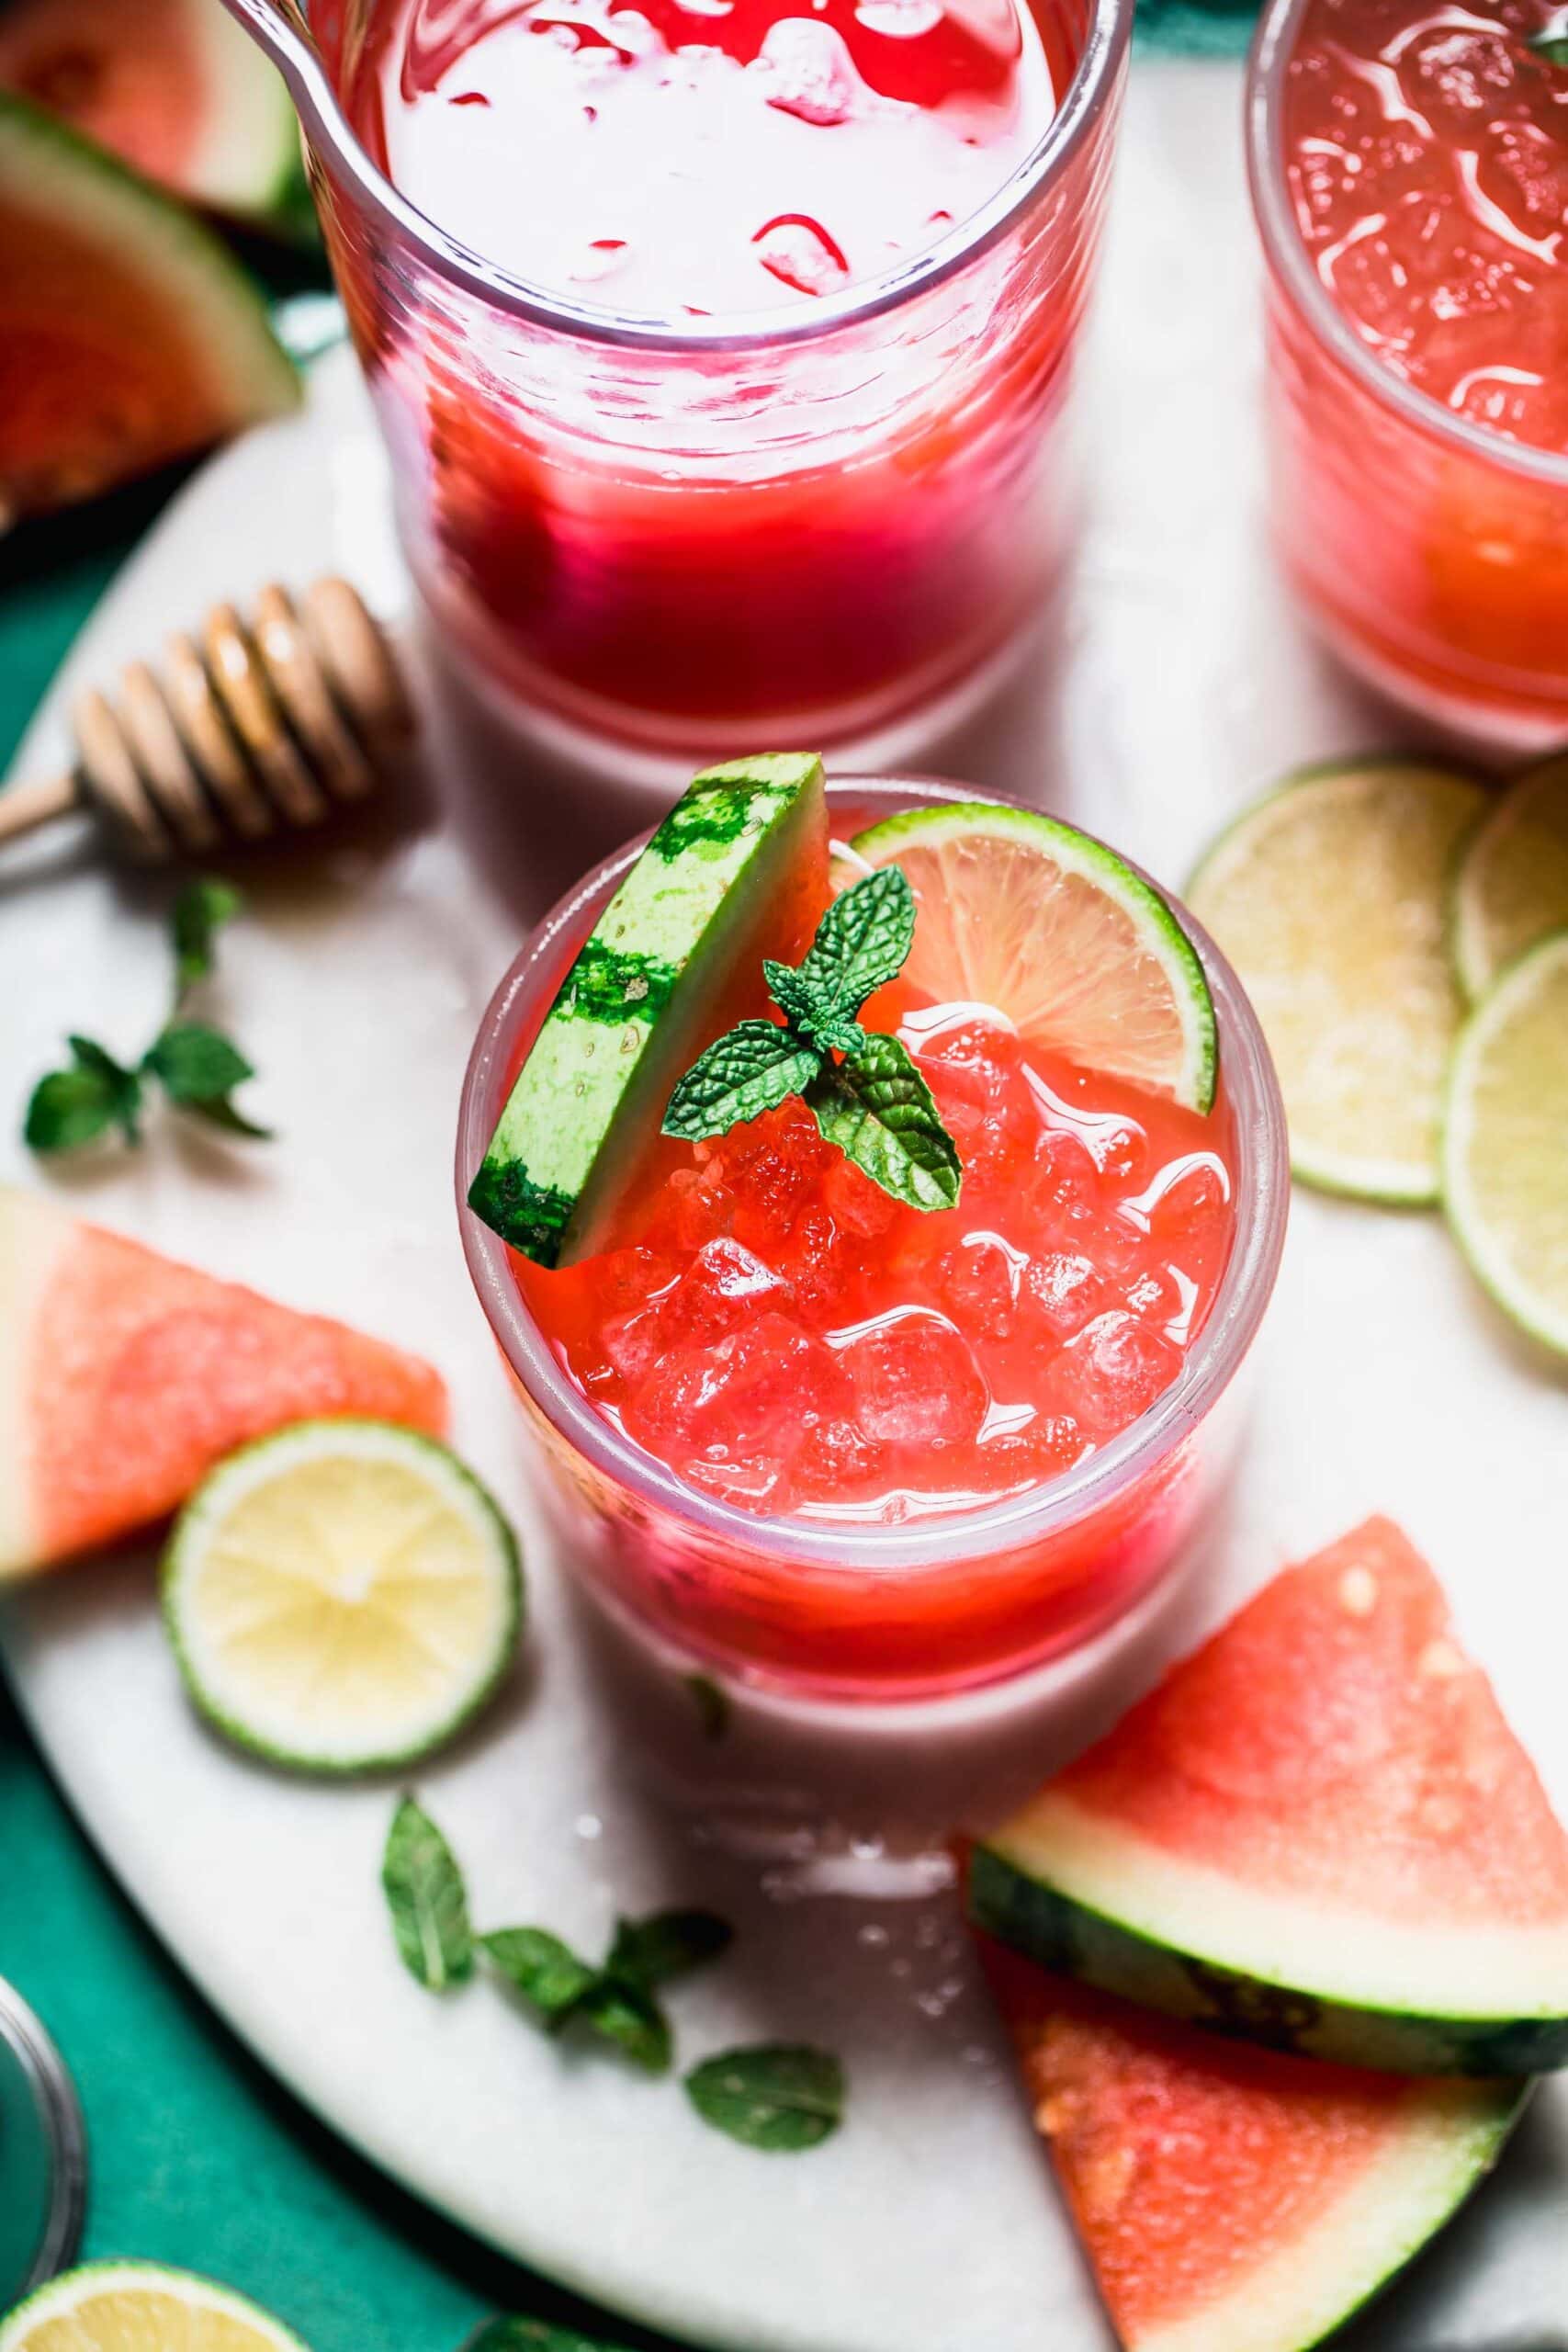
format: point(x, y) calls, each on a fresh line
point(194, 919)
point(651, 1951)
point(1551, 43)
point(220, 1113)
point(546, 1971)
point(742, 1074)
point(425, 1896)
point(777, 2096)
point(627, 2015)
point(815, 1012)
point(863, 939)
point(195, 1064)
point(71, 1107)
point(878, 1110)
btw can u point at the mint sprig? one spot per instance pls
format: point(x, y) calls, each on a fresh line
point(617, 2001)
point(426, 1900)
point(871, 1104)
point(196, 1065)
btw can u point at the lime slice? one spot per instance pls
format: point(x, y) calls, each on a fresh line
point(1023, 913)
point(1512, 882)
point(1506, 1142)
point(140, 2307)
point(341, 1595)
point(1330, 898)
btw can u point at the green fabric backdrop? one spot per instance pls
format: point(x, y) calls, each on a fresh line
point(198, 2157)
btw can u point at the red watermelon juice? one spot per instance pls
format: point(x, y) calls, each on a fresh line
point(857, 1450)
point(1410, 171)
point(747, 418)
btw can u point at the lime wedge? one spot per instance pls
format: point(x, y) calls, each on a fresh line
point(1513, 882)
point(1084, 957)
point(140, 2307)
point(1330, 896)
point(1506, 1142)
point(340, 1595)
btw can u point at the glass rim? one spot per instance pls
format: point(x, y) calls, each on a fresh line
point(1285, 252)
point(826, 1546)
point(298, 59)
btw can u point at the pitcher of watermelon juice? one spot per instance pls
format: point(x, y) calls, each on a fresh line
point(780, 455)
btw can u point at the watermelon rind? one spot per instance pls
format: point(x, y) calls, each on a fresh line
point(224, 333)
point(55, 2306)
point(631, 1013)
point(1078, 1895)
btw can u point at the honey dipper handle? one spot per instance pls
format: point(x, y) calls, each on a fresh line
point(26, 804)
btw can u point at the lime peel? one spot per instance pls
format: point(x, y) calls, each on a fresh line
point(1025, 914)
point(1506, 1142)
point(1512, 885)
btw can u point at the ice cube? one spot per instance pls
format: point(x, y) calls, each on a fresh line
point(747, 1393)
point(977, 1281)
point(1111, 1372)
point(807, 71)
point(1061, 1291)
point(915, 1381)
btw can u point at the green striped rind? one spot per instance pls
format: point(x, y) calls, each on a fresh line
point(1023, 1909)
point(630, 1013)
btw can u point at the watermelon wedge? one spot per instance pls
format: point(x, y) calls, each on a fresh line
point(1318, 1833)
point(124, 1377)
point(175, 89)
point(128, 333)
point(1232, 2200)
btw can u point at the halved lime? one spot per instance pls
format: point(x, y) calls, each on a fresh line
point(1330, 898)
point(1512, 887)
point(140, 2307)
point(341, 1596)
point(1506, 1142)
point(1022, 912)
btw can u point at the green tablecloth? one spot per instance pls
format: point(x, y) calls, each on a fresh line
point(198, 2157)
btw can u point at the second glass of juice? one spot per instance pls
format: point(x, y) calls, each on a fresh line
point(837, 1449)
point(722, 347)
point(1409, 171)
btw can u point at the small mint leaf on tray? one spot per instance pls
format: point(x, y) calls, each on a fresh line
point(426, 1899)
point(878, 1110)
point(747, 1071)
point(649, 1952)
point(76, 1106)
point(195, 1064)
point(778, 2097)
point(194, 919)
point(627, 2015)
point(546, 1971)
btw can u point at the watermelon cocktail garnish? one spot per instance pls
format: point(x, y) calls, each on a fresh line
point(782, 1323)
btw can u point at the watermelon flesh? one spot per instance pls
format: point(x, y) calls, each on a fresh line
point(126, 1376)
point(128, 334)
point(1231, 2199)
point(175, 89)
point(1318, 1831)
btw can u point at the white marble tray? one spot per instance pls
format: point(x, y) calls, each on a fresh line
point(1386, 1385)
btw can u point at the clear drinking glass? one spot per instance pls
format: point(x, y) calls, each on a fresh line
point(793, 524)
point(1431, 553)
point(811, 1610)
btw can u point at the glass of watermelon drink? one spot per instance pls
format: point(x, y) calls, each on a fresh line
point(757, 428)
point(803, 1437)
point(1409, 172)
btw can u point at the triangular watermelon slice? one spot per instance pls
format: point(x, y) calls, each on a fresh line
point(1318, 1833)
point(1231, 2200)
point(124, 1377)
point(128, 333)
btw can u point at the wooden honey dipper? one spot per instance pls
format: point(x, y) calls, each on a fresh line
point(251, 728)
